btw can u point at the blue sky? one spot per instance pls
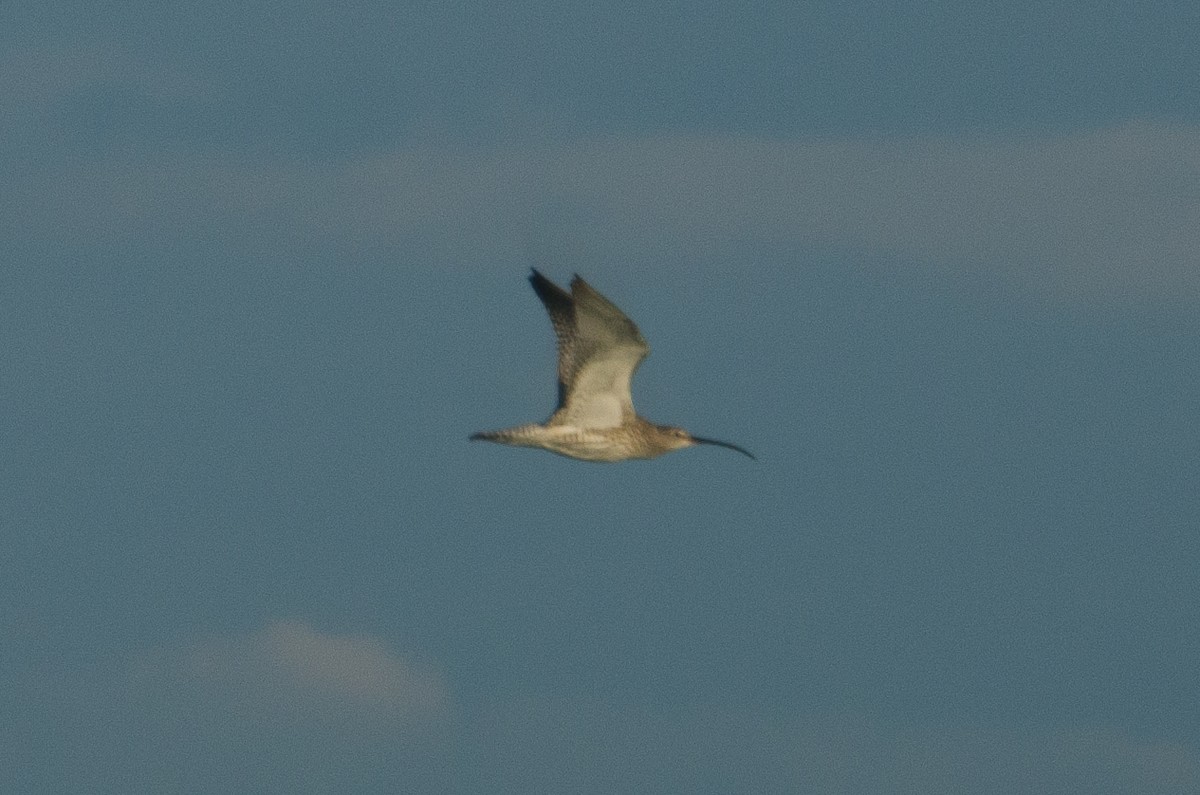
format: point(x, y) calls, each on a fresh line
point(265, 271)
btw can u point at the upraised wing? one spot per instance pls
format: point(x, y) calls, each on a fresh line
point(599, 348)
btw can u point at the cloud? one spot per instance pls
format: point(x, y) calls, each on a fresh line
point(855, 754)
point(292, 708)
point(583, 745)
point(286, 708)
point(1127, 763)
point(289, 667)
point(1111, 213)
point(43, 78)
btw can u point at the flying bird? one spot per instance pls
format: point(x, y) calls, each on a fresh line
point(599, 348)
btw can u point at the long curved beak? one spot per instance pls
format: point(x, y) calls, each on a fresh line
point(742, 450)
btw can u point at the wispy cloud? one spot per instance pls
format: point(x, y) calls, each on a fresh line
point(1111, 213)
point(574, 743)
point(39, 78)
point(1127, 763)
point(325, 674)
point(854, 754)
point(287, 707)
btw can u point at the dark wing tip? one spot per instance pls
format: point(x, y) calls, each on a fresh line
point(554, 297)
point(540, 282)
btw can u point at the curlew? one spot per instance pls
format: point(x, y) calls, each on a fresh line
point(599, 348)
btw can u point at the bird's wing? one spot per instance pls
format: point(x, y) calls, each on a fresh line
point(604, 351)
point(561, 308)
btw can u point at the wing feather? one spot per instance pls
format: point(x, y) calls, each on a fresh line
point(599, 349)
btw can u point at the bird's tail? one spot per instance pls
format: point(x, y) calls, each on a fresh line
point(520, 435)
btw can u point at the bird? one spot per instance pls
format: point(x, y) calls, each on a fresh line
point(599, 349)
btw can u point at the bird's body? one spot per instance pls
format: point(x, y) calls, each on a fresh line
point(636, 439)
point(599, 349)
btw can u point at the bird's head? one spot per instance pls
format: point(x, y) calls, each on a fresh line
point(678, 438)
